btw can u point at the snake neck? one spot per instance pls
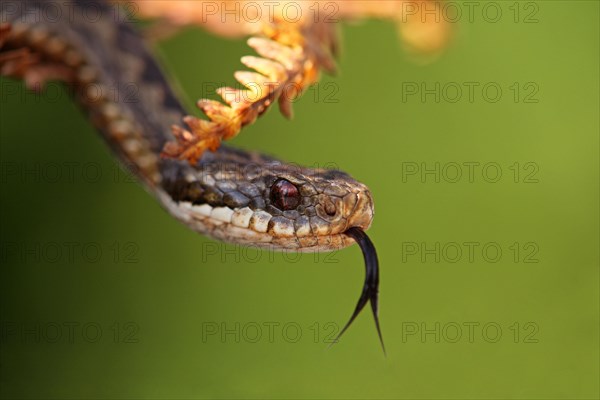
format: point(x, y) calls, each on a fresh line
point(108, 67)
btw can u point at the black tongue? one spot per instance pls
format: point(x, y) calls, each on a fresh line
point(371, 288)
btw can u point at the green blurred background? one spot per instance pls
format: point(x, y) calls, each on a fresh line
point(179, 314)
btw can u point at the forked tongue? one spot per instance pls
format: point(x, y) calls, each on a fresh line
point(370, 290)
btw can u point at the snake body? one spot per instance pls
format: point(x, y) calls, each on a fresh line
point(230, 195)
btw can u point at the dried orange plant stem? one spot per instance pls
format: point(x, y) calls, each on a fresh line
point(292, 52)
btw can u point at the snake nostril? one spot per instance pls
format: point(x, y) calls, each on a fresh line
point(330, 208)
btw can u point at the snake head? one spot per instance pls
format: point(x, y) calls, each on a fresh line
point(249, 198)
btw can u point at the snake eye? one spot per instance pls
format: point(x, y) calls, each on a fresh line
point(285, 195)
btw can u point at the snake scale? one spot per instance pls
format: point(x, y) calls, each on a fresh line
point(229, 195)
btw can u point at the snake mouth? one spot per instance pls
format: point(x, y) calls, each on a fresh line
point(370, 291)
point(362, 213)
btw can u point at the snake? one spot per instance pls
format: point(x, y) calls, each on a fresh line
point(230, 195)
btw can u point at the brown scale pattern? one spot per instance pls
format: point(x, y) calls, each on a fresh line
point(35, 54)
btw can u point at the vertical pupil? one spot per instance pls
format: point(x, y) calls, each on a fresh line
point(284, 195)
